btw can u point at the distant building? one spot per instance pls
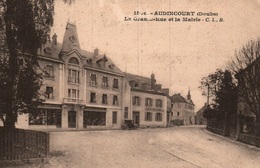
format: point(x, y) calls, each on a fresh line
point(199, 119)
point(148, 102)
point(183, 110)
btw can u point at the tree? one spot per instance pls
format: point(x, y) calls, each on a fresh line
point(25, 26)
point(246, 66)
point(224, 92)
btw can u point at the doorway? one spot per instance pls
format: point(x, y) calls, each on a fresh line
point(72, 119)
point(136, 117)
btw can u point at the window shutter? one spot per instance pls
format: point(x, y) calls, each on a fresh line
point(139, 103)
point(133, 100)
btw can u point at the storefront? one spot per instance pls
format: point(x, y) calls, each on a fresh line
point(94, 117)
point(46, 116)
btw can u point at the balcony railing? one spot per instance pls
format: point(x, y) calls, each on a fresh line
point(73, 100)
point(72, 80)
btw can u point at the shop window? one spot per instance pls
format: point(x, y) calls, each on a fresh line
point(49, 93)
point(158, 117)
point(94, 118)
point(45, 117)
point(114, 117)
point(148, 116)
point(115, 84)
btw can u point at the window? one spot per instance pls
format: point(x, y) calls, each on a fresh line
point(114, 117)
point(93, 79)
point(158, 103)
point(136, 84)
point(94, 118)
point(104, 99)
point(136, 100)
point(158, 117)
point(104, 82)
point(45, 117)
point(73, 93)
point(148, 116)
point(74, 60)
point(126, 113)
point(92, 97)
point(49, 71)
point(115, 100)
point(73, 76)
point(49, 92)
point(115, 84)
point(148, 102)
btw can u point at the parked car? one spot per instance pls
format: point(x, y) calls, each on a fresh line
point(129, 125)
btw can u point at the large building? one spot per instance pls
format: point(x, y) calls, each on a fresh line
point(148, 107)
point(81, 89)
point(86, 90)
point(183, 110)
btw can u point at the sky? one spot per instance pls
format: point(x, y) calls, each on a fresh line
point(179, 53)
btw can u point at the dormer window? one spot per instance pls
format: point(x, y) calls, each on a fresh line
point(111, 66)
point(102, 62)
point(74, 60)
point(48, 50)
point(136, 84)
point(89, 60)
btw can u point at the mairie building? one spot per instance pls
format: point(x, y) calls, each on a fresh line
point(86, 90)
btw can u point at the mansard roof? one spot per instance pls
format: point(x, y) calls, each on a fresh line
point(56, 52)
point(141, 79)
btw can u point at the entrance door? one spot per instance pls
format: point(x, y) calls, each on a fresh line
point(72, 119)
point(136, 117)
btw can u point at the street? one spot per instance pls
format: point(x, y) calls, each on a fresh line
point(176, 147)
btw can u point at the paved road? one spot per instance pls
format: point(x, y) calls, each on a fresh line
point(176, 147)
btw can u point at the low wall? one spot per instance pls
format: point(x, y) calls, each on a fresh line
point(249, 139)
point(19, 144)
point(215, 130)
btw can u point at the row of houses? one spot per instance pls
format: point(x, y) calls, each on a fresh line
point(84, 89)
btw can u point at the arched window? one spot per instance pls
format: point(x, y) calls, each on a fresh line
point(74, 60)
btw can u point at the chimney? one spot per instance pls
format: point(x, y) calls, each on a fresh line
point(153, 81)
point(189, 96)
point(54, 39)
